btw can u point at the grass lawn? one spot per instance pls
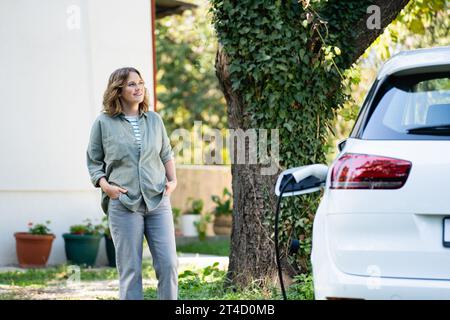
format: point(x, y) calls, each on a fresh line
point(44, 276)
point(209, 284)
point(212, 247)
point(194, 283)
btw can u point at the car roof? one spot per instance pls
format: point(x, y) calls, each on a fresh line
point(404, 61)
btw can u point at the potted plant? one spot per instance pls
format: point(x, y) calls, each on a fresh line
point(33, 247)
point(82, 243)
point(109, 244)
point(223, 213)
point(176, 212)
point(202, 225)
point(190, 217)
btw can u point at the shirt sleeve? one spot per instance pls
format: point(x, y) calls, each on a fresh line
point(166, 153)
point(95, 155)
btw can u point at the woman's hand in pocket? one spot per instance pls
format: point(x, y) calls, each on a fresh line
point(170, 187)
point(114, 191)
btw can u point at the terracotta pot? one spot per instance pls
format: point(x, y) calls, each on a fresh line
point(33, 250)
point(222, 225)
point(178, 232)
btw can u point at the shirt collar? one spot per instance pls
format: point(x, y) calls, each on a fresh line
point(122, 115)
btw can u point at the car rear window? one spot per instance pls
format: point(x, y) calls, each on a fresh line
point(406, 104)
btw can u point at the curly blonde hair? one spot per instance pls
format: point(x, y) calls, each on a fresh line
point(111, 101)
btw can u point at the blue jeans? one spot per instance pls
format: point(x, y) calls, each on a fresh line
point(127, 230)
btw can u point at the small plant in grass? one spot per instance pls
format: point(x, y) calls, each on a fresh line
point(206, 274)
point(207, 281)
point(303, 288)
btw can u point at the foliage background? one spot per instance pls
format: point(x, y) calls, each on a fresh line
point(187, 87)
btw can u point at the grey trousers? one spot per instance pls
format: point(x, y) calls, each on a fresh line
point(127, 230)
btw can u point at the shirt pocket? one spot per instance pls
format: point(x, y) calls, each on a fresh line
point(115, 147)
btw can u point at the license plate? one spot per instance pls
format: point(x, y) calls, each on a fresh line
point(446, 232)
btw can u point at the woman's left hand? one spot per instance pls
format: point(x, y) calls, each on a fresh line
point(170, 187)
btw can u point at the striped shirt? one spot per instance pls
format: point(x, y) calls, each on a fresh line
point(137, 133)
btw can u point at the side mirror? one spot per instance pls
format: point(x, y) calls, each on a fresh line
point(306, 179)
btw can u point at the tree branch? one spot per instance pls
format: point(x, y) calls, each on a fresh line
point(389, 11)
point(347, 23)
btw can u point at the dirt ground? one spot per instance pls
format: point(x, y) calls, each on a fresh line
point(84, 290)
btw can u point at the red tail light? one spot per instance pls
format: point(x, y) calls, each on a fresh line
point(361, 171)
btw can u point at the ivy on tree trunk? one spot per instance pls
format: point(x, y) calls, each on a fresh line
point(281, 65)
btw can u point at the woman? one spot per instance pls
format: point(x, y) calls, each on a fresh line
point(129, 157)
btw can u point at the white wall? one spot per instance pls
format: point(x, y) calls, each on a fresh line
point(53, 74)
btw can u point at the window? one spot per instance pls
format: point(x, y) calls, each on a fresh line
point(406, 103)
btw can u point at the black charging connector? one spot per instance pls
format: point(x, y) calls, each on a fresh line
point(287, 183)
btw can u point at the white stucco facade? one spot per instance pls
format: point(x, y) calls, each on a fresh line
point(56, 57)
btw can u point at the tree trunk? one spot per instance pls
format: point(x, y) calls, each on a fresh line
point(252, 257)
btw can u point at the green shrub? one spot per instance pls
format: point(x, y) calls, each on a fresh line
point(196, 206)
point(202, 225)
point(302, 289)
point(223, 205)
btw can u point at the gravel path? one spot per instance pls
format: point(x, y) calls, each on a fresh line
point(84, 290)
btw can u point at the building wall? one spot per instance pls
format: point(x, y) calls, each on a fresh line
point(56, 58)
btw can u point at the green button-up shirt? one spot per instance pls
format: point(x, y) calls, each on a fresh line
point(113, 153)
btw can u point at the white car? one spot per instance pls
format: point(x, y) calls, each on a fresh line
point(382, 230)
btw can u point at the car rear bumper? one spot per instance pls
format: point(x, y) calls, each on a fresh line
point(330, 282)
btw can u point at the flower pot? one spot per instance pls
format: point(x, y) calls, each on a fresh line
point(222, 225)
point(33, 250)
point(187, 224)
point(178, 232)
point(82, 249)
point(110, 251)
